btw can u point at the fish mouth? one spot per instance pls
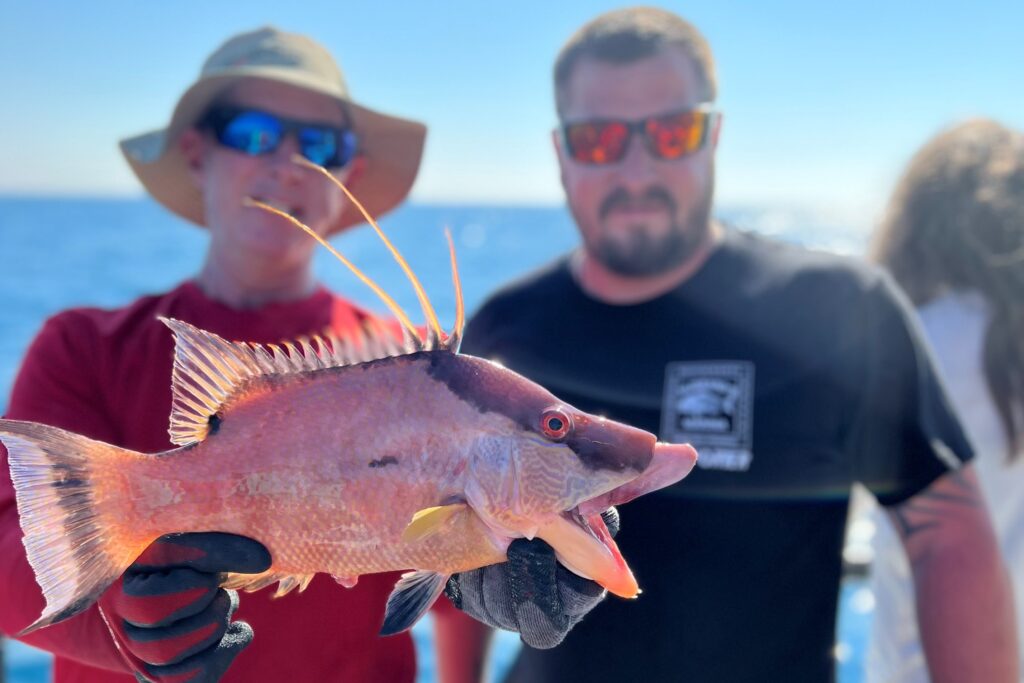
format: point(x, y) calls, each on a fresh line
point(585, 547)
point(581, 539)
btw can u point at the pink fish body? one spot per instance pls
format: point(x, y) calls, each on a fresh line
point(345, 457)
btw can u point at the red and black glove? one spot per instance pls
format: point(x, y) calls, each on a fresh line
point(168, 614)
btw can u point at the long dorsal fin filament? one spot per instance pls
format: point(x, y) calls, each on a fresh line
point(392, 305)
point(435, 337)
point(455, 339)
point(434, 334)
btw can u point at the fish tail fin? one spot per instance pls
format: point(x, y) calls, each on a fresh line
point(73, 542)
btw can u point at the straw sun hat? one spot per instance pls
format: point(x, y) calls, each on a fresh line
point(392, 147)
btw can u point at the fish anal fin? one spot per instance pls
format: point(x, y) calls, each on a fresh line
point(346, 581)
point(429, 521)
point(254, 582)
point(412, 596)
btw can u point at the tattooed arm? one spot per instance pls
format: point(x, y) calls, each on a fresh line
point(964, 599)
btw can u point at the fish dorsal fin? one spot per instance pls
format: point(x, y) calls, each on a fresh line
point(209, 370)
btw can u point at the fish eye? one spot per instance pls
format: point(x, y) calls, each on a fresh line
point(555, 424)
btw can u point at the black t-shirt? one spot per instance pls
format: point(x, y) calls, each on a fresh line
point(794, 374)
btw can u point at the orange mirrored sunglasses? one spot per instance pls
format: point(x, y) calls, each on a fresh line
point(667, 136)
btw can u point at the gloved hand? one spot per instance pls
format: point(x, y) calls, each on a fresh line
point(168, 614)
point(531, 594)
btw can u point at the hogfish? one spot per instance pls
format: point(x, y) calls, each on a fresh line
point(344, 456)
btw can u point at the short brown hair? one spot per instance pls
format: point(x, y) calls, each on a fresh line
point(626, 35)
point(956, 222)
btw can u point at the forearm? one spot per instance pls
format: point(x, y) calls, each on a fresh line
point(965, 613)
point(84, 639)
point(964, 597)
point(461, 645)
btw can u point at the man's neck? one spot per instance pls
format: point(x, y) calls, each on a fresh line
point(248, 289)
point(612, 288)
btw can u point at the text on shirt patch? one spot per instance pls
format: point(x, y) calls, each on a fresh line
point(710, 404)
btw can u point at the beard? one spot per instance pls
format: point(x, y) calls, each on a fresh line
point(640, 252)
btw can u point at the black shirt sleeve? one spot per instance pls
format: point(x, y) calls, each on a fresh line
point(905, 433)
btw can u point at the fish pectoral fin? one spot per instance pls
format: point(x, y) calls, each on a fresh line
point(412, 596)
point(430, 520)
point(255, 582)
point(591, 556)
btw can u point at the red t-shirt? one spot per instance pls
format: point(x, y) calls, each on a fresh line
point(106, 375)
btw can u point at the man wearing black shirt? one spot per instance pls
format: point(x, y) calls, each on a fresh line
point(794, 374)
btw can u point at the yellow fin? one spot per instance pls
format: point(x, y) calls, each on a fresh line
point(429, 520)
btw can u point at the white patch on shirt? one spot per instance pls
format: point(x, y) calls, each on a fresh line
point(710, 405)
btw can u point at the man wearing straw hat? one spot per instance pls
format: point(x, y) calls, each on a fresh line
point(260, 98)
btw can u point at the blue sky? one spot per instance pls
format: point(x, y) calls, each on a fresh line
point(824, 101)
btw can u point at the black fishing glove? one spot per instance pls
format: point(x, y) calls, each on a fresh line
point(531, 594)
point(168, 614)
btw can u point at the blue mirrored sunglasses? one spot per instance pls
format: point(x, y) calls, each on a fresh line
point(257, 132)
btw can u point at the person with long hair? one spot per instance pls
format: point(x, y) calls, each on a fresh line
point(953, 238)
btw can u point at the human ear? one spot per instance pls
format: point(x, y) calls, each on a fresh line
point(192, 146)
point(353, 172)
point(716, 131)
point(556, 140)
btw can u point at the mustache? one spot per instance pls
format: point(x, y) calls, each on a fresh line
point(621, 198)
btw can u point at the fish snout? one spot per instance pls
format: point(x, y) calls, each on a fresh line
point(669, 463)
point(603, 444)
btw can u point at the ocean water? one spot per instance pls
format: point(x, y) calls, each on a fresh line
point(58, 253)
